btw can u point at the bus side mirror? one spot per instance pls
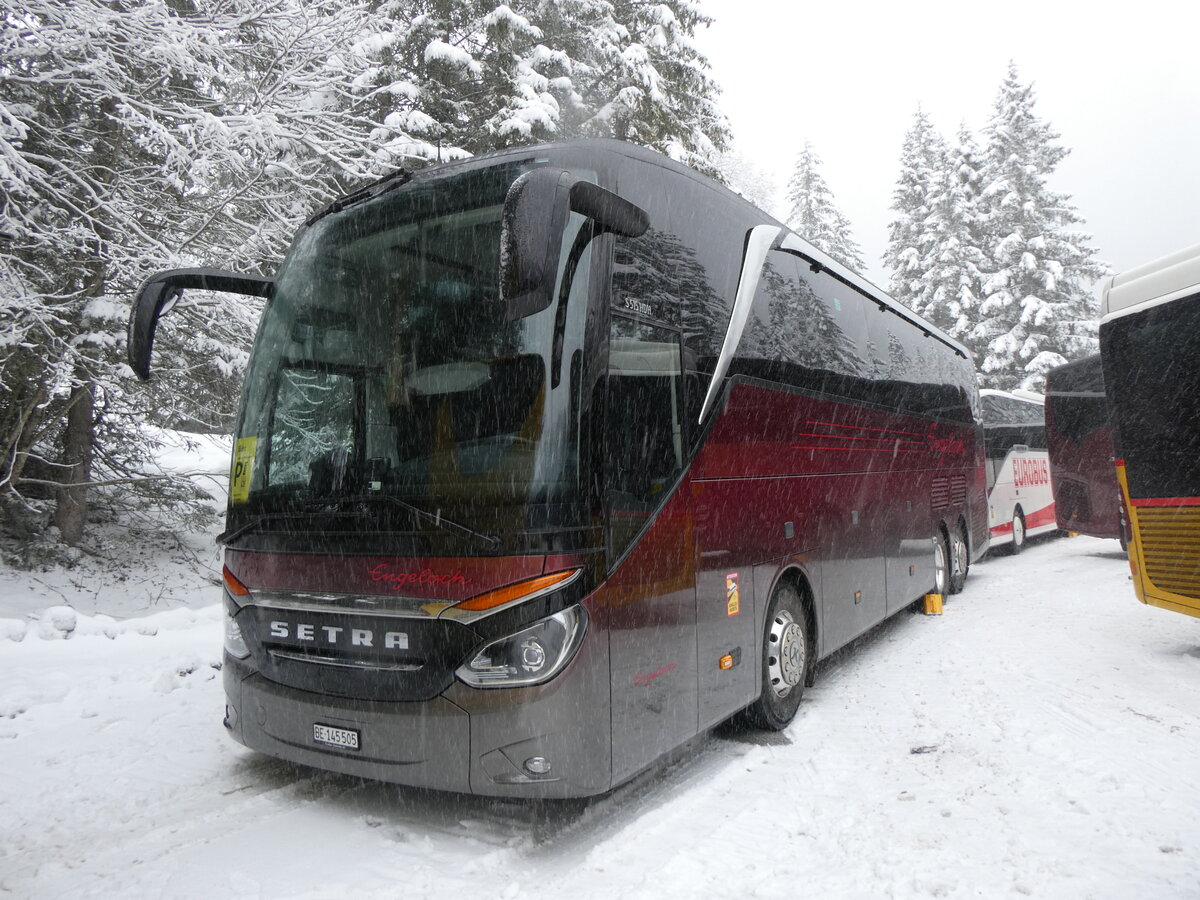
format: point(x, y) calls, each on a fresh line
point(531, 226)
point(161, 292)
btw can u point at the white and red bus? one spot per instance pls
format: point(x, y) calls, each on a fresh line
point(551, 459)
point(1150, 347)
point(1020, 499)
point(1087, 498)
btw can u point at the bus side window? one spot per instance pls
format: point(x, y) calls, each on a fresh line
point(643, 441)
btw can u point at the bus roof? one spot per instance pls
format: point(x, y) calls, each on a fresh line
point(1161, 281)
point(791, 241)
point(1017, 394)
point(1083, 377)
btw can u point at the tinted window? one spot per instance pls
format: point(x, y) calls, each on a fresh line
point(799, 336)
point(643, 439)
point(1153, 386)
point(692, 253)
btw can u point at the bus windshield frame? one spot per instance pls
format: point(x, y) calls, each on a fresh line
point(390, 403)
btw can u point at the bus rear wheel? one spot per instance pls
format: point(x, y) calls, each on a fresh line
point(785, 661)
point(941, 564)
point(960, 560)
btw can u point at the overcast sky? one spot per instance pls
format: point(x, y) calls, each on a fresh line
point(1119, 82)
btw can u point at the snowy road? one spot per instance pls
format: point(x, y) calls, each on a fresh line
point(1040, 739)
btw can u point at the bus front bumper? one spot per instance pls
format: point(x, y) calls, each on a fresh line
point(548, 742)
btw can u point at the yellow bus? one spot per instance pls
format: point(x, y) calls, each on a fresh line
point(1150, 349)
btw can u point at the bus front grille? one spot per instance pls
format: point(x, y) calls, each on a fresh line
point(1171, 548)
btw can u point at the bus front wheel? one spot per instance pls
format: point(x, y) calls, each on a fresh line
point(785, 661)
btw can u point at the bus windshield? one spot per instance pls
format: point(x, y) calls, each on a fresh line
point(388, 386)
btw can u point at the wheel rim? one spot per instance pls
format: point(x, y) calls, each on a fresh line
point(785, 653)
point(1018, 530)
point(939, 565)
point(960, 555)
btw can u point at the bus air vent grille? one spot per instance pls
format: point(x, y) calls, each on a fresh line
point(940, 494)
point(958, 491)
point(1171, 547)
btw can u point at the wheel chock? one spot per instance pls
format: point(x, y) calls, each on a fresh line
point(933, 604)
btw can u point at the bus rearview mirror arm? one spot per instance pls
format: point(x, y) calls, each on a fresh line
point(531, 226)
point(161, 292)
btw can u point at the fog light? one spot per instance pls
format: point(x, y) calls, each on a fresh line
point(537, 765)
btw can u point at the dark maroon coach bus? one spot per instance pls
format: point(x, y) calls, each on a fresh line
point(551, 459)
point(1087, 498)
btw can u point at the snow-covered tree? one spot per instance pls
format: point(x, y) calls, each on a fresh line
point(814, 215)
point(136, 137)
point(952, 263)
point(1038, 311)
point(922, 168)
point(745, 178)
point(457, 76)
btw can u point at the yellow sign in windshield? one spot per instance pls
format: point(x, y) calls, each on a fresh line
point(243, 466)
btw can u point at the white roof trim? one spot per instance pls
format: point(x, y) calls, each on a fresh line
point(1152, 284)
point(762, 237)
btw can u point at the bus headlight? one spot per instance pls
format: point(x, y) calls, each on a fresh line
point(531, 656)
point(235, 644)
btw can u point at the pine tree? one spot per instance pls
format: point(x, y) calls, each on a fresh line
point(468, 76)
point(139, 137)
point(1037, 312)
point(922, 168)
point(815, 216)
point(951, 267)
point(743, 177)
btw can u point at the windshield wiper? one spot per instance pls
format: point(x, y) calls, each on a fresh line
point(255, 523)
point(435, 517)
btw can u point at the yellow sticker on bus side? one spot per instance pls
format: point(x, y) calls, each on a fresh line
point(243, 466)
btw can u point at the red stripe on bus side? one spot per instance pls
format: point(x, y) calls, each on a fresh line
point(1166, 501)
point(1042, 517)
point(1032, 520)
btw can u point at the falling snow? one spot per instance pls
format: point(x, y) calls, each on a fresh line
point(1038, 739)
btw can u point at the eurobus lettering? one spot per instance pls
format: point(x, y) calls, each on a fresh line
point(551, 459)
point(1149, 345)
point(1028, 472)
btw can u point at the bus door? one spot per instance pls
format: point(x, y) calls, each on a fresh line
point(732, 531)
point(651, 594)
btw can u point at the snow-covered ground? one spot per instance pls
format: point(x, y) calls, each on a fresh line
point(1041, 739)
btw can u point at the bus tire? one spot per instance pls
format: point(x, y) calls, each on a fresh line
point(1018, 532)
point(786, 657)
point(960, 559)
point(941, 564)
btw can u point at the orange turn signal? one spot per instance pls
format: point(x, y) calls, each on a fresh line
point(517, 591)
point(232, 585)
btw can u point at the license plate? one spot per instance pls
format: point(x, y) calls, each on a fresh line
point(343, 738)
